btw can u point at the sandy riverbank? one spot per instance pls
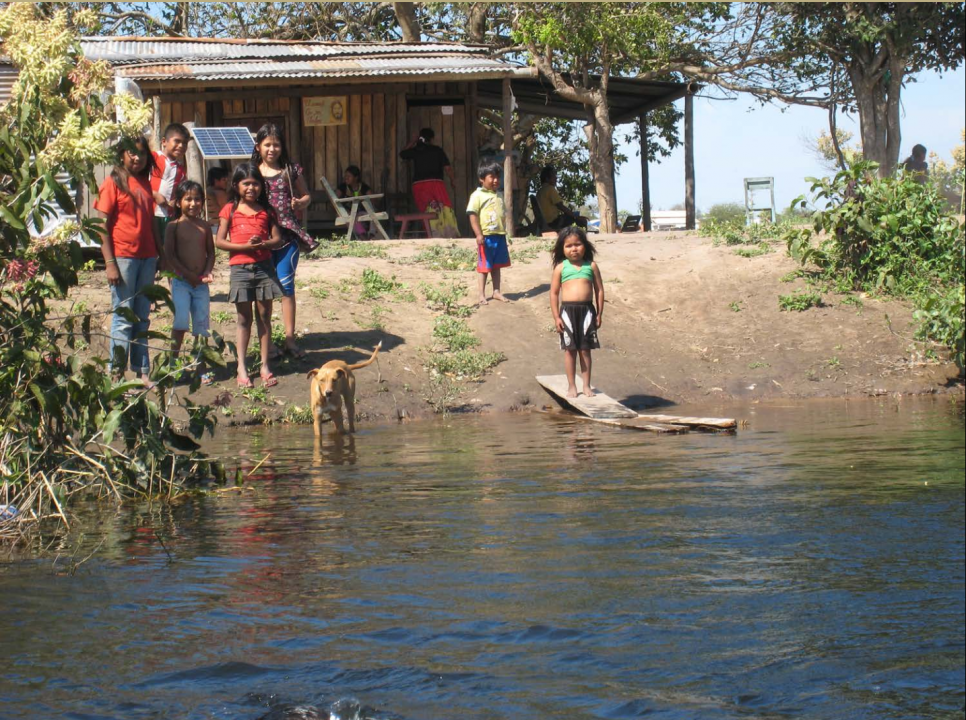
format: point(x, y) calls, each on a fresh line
point(686, 322)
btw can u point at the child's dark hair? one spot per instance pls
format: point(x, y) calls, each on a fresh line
point(488, 166)
point(186, 186)
point(217, 173)
point(354, 169)
point(558, 253)
point(266, 131)
point(547, 172)
point(426, 134)
point(119, 174)
point(242, 172)
point(176, 129)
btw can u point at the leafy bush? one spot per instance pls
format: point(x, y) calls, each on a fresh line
point(67, 427)
point(465, 364)
point(731, 213)
point(375, 285)
point(447, 298)
point(455, 334)
point(891, 235)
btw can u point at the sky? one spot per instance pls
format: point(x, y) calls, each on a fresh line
point(738, 139)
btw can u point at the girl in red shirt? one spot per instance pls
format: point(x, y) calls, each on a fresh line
point(248, 231)
point(131, 249)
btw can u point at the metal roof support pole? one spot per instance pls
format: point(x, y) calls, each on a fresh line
point(689, 209)
point(508, 156)
point(645, 177)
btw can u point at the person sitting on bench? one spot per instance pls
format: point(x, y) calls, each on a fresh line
point(555, 213)
point(354, 186)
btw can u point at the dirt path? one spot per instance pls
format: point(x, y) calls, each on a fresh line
point(686, 322)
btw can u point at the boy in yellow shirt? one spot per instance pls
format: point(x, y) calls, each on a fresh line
point(485, 209)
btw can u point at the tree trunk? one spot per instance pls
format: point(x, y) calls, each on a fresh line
point(877, 99)
point(602, 165)
point(407, 21)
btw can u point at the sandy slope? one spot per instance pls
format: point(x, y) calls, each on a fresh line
point(670, 333)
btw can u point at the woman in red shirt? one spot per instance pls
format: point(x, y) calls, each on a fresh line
point(248, 231)
point(131, 250)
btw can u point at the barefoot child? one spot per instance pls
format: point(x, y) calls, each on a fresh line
point(248, 231)
point(485, 209)
point(190, 251)
point(575, 288)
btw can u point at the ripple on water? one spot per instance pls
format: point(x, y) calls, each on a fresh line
point(522, 567)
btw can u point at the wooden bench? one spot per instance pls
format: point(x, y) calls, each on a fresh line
point(632, 223)
point(419, 218)
point(350, 217)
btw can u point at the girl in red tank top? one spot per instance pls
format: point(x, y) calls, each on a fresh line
point(248, 231)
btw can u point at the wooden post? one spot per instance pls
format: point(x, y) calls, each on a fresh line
point(508, 155)
point(156, 122)
point(194, 165)
point(645, 177)
point(689, 161)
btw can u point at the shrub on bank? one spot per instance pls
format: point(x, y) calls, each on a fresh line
point(66, 428)
point(889, 235)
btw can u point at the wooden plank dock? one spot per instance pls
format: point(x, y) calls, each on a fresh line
point(604, 409)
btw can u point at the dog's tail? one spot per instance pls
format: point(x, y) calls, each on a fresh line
point(369, 361)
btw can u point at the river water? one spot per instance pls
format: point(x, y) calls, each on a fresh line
point(523, 566)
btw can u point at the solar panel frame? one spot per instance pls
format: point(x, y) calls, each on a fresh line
point(225, 143)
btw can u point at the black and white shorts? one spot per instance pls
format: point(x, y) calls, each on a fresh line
point(580, 326)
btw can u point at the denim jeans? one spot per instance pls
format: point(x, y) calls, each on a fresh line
point(190, 303)
point(136, 274)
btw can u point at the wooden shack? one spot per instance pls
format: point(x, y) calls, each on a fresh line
point(385, 93)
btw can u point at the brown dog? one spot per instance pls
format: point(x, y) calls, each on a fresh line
point(333, 384)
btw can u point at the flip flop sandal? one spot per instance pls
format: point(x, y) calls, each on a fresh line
point(245, 384)
point(269, 380)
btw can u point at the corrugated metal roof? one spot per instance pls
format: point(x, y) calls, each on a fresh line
point(318, 68)
point(139, 50)
point(8, 76)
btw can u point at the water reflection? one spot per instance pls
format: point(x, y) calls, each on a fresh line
point(521, 567)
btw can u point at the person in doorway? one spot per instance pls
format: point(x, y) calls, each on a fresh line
point(131, 247)
point(486, 212)
point(216, 195)
point(430, 163)
point(352, 186)
point(916, 165)
point(556, 214)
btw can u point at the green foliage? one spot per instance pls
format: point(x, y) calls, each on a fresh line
point(735, 232)
point(889, 235)
point(454, 334)
point(732, 213)
point(464, 364)
point(222, 317)
point(447, 298)
point(375, 285)
point(67, 427)
point(298, 415)
point(735, 305)
point(340, 247)
point(761, 248)
point(447, 257)
point(799, 302)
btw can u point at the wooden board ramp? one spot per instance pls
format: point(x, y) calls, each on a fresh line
point(604, 409)
point(598, 407)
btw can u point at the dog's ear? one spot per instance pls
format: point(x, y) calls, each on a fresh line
point(340, 372)
point(311, 373)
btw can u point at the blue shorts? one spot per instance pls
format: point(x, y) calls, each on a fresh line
point(492, 254)
point(286, 262)
point(190, 303)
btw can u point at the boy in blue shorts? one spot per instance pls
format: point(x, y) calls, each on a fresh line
point(485, 209)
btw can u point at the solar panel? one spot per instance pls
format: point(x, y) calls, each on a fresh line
point(230, 143)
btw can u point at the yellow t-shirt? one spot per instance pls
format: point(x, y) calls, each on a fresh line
point(547, 199)
point(488, 207)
